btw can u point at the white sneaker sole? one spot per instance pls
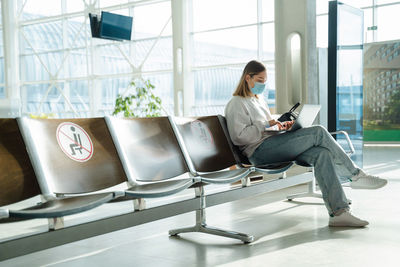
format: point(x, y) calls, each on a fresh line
point(343, 224)
point(354, 185)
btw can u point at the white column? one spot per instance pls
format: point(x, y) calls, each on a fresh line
point(10, 106)
point(296, 72)
point(183, 82)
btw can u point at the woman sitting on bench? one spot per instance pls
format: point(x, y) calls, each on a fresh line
point(249, 119)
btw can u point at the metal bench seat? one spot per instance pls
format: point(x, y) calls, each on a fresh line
point(225, 176)
point(151, 157)
point(73, 159)
point(274, 168)
point(62, 207)
point(158, 189)
point(19, 182)
point(209, 156)
point(207, 151)
point(151, 150)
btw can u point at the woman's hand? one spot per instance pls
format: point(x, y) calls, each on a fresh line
point(275, 122)
point(286, 125)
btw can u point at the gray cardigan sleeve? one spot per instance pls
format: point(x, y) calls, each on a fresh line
point(242, 129)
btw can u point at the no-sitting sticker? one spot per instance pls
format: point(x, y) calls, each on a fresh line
point(74, 141)
point(202, 133)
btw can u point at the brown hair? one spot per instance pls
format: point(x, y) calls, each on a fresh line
point(252, 68)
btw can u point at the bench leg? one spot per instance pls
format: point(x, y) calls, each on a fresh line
point(56, 223)
point(245, 181)
point(312, 192)
point(202, 227)
point(139, 204)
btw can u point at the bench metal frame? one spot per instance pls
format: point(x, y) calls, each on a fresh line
point(40, 241)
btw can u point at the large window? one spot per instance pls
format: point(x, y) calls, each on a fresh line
point(380, 66)
point(67, 72)
point(381, 20)
point(382, 91)
point(223, 42)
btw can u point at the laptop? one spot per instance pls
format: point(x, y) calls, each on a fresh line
point(305, 119)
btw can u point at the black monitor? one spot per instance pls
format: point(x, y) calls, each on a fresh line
point(111, 26)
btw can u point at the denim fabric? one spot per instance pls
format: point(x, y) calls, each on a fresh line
point(316, 147)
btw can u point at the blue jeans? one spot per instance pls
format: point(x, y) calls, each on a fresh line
point(314, 146)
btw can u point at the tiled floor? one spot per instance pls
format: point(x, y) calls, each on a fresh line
point(287, 233)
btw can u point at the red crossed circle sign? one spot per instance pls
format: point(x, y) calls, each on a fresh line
point(74, 141)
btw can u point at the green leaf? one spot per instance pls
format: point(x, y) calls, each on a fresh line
point(142, 103)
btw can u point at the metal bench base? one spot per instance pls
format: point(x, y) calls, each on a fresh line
point(202, 227)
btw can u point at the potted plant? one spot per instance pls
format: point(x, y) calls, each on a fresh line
point(141, 103)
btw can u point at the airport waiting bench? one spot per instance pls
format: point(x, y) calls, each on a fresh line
point(74, 164)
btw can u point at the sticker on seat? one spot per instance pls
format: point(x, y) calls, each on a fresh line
point(74, 141)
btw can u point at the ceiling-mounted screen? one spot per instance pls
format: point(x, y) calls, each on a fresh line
point(111, 26)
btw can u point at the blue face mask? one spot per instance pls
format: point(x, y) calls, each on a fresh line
point(258, 88)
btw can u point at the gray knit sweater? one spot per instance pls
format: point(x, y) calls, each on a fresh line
point(247, 119)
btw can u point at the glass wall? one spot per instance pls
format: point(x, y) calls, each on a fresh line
point(322, 19)
point(380, 20)
point(345, 76)
point(382, 91)
point(223, 42)
point(67, 73)
point(380, 66)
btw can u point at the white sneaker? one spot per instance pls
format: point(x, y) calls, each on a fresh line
point(366, 181)
point(346, 219)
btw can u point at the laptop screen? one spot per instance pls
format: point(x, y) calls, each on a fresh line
point(306, 117)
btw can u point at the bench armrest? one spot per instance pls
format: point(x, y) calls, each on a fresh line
point(351, 147)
